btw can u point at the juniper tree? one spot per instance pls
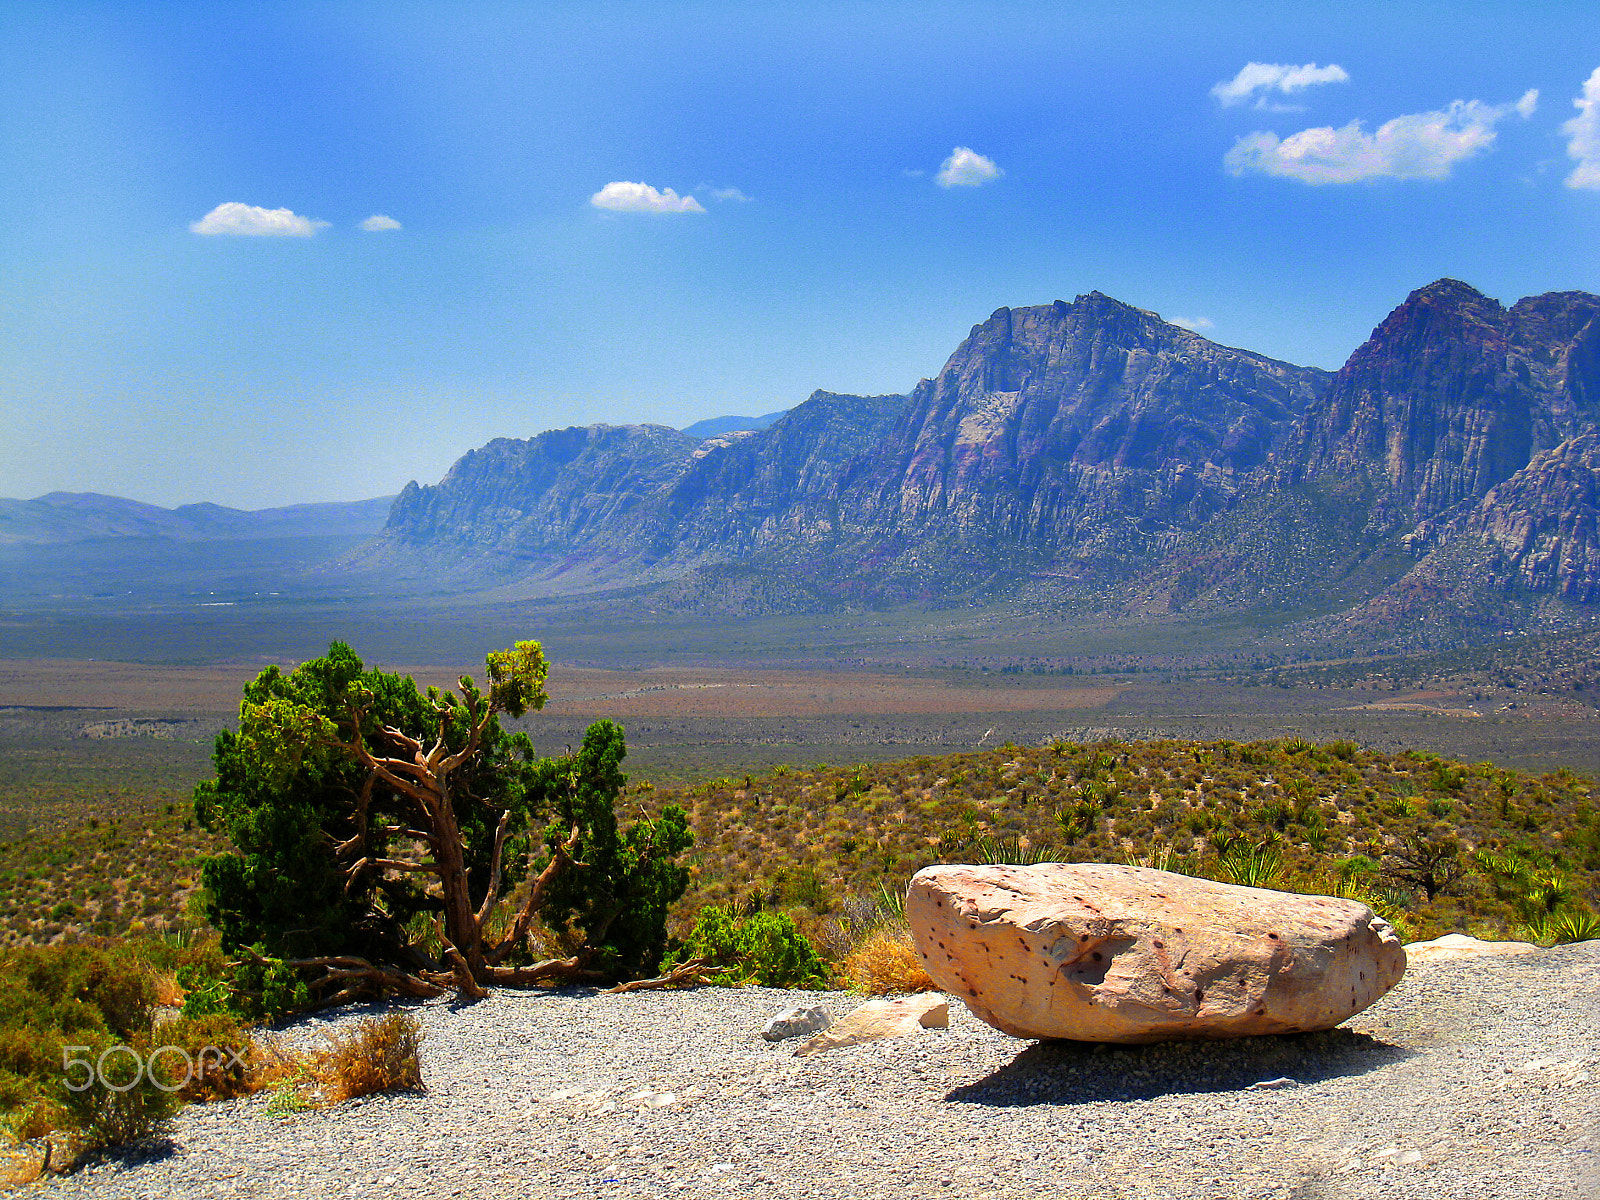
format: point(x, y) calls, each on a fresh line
point(378, 828)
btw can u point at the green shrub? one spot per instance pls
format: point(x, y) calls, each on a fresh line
point(119, 1106)
point(765, 948)
point(1251, 866)
point(1574, 925)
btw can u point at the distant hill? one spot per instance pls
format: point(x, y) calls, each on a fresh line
point(64, 517)
point(716, 426)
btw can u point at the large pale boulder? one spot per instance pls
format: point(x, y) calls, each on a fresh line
point(1101, 953)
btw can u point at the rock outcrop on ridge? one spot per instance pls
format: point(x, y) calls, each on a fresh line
point(1072, 436)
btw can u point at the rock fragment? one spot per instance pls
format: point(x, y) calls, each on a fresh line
point(879, 1019)
point(796, 1022)
point(1455, 946)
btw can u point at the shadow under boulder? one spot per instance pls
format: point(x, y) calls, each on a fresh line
point(1064, 1072)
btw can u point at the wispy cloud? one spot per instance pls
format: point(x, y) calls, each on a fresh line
point(1256, 80)
point(246, 220)
point(1417, 146)
point(641, 197)
point(967, 168)
point(1193, 323)
point(725, 194)
point(1583, 136)
point(378, 223)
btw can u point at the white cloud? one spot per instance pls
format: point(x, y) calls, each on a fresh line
point(378, 223)
point(246, 220)
point(725, 194)
point(967, 168)
point(1583, 136)
point(641, 197)
point(1417, 146)
point(1194, 323)
point(1255, 80)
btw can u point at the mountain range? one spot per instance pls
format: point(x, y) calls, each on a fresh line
point(1087, 456)
point(1087, 453)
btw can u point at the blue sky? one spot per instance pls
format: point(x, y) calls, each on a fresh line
point(190, 309)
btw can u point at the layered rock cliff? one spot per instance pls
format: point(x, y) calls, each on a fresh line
point(566, 490)
point(773, 488)
point(1076, 435)
point(1450, 396)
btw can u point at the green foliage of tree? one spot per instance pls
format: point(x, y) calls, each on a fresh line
point(377, 827)
point(622, 883)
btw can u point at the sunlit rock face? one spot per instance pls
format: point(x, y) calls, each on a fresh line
point(1102, 953)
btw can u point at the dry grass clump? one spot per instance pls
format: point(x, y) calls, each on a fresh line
point(885, 963)
point(379, 1055)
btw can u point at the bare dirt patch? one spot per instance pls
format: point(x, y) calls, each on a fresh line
point(736, 693)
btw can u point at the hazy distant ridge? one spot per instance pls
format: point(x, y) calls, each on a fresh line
point(62, 518)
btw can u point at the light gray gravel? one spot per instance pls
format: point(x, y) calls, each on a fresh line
point(1472, 1080)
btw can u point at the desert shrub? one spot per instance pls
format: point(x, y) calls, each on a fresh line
point(379, 1055)
point(988, 850)
point(886, 963)
point(221, 1054)
point(52, 997)
point(1573, 925)
point(763, 948)
point(118, 1106)
point(803, 886)
point(76, 987)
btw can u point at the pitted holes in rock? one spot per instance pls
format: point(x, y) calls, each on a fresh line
point(1090, 968)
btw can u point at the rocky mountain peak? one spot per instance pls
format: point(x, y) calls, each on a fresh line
point(1086, 428)
point(1451, 395)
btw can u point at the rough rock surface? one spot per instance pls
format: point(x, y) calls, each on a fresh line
point(796, 1022)
point(1097, 952)
point(561, 491)
point(879, 1019)
point(1451, 395)
point(1077, 433)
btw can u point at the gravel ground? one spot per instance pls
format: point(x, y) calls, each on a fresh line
point(1472, 1079)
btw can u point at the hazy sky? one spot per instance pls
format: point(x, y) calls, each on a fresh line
point(270, 253)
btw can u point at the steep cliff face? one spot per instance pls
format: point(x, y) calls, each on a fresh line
point(1542, 522)
point(1536, 533)
point(578, 488)
point(1078, 433)
point(774, 487)
point(1450, 396)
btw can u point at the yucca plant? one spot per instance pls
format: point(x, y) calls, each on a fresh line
point(1009, 851)
point(1252, 866)
point(1573, 925)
